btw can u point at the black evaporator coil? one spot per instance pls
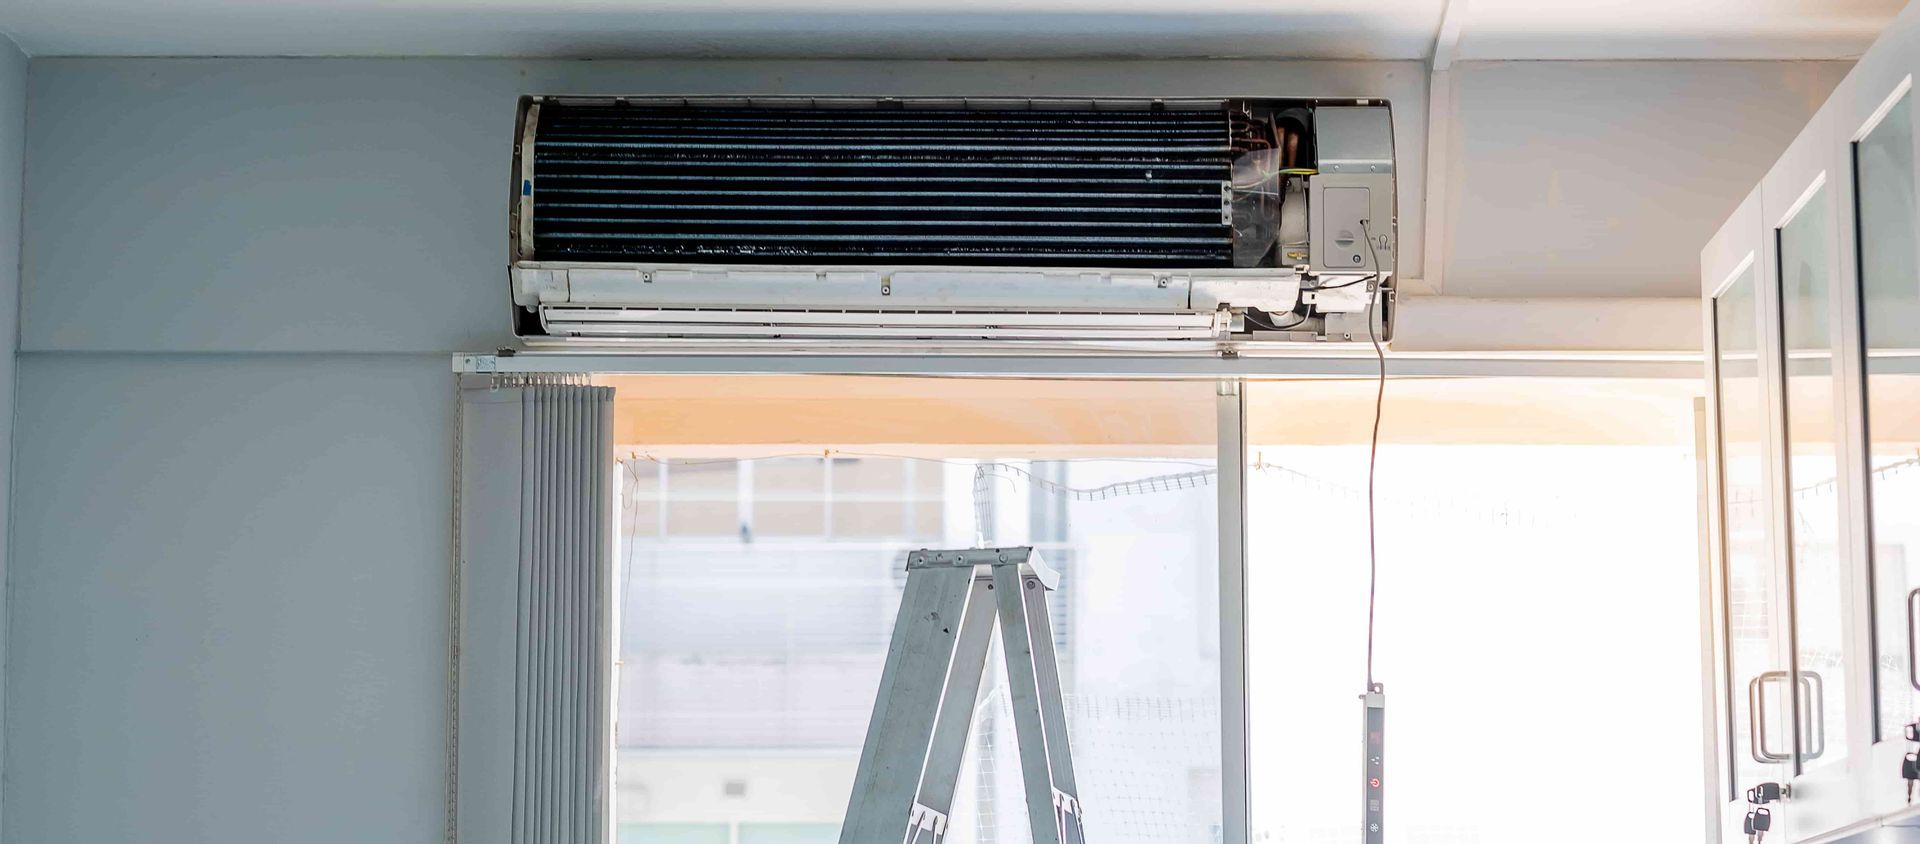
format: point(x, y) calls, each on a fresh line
point(985, 187)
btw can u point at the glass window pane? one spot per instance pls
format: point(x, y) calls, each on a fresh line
point(929, 480)
point(1813, 501)
point(1520, 521)
point(789, 833)
point(703, 498)
point(1749, 586)
point(871, 497)
point(673, 833)
point(1890, 329)
point(749, 660)
point(929, 519)
point(870, 518)
point(640, 496)
point(789, 497)
point(855, 476)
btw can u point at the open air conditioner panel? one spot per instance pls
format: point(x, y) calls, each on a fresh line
point(1175, 208)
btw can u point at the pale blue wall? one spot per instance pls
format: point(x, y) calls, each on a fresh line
point(1606, 178)
point(230, 603)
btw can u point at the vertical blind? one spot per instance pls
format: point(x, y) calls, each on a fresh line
point(531, 721)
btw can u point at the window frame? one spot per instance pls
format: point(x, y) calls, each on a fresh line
point(1231, 450)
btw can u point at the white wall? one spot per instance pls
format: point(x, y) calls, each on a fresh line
point(239, 282)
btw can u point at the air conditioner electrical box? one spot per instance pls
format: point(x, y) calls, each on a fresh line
point(737, 223)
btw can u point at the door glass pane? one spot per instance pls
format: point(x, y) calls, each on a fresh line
point(1749, 571)
point(1890, 330)
point(1813, 465)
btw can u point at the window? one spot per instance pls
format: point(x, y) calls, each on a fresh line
point(1522, 520)
point(1538, 605)
point(761, 567)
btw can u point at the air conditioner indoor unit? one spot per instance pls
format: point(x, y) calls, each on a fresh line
point(749, 223)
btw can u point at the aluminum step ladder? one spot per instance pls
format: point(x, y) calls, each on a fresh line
point(910, 764)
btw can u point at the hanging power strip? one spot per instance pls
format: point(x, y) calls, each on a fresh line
point(1374, 815)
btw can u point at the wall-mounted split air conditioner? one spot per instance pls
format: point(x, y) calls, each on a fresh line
point(745, 223)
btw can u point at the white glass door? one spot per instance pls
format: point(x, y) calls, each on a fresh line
point(1811, 487)
point(1882, 318)
point(1753, 739)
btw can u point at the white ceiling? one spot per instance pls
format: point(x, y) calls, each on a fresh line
point(1673, 29)
point(1351, 29)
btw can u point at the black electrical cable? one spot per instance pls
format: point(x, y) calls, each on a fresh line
point(1373, 454)
point(1374, 276)
point(1261, 322)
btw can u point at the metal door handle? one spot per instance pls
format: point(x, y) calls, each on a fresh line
point(1757, 716)
point(1815, 715)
